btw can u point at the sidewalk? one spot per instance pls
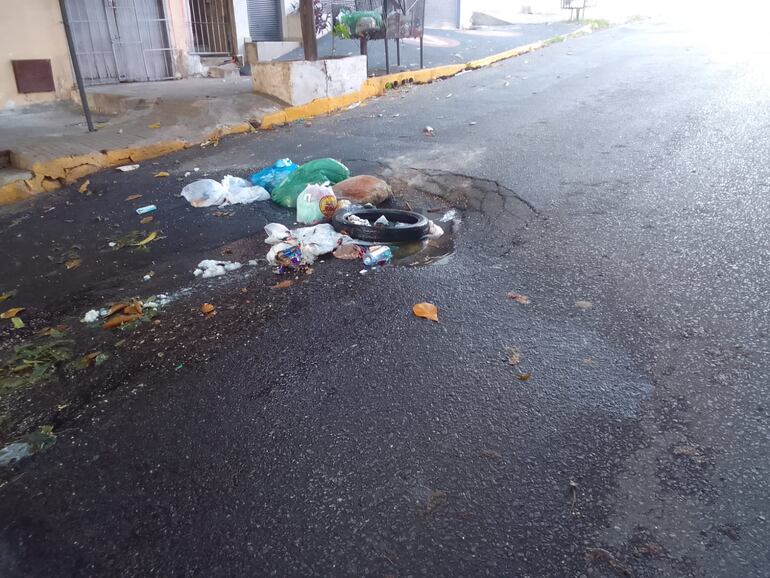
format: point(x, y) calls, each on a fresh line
point(50, 146)
point(441, 47)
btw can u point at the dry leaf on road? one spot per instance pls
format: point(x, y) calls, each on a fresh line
point(285, 284)
point(8, 295)
point(524, 376)
point(161, 174)
point(426, 311)
point(72, 263)
point(133, 197)
point(518, 297)
point(514, 355)
point(84, 187)
point(147, 219)
point(208, 309)
point(154, 125)
point(148, 239)
point(10, 313)
point(119, 320)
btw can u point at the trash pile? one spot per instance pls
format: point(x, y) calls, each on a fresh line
point(339, 211)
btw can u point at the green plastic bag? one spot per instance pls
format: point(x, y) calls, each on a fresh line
point(315, 172)
point(357, 23)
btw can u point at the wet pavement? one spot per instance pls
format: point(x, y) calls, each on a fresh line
point(322, 429)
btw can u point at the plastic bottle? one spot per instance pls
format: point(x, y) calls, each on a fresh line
point(377, 255)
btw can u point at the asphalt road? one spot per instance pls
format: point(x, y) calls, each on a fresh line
point(322, 430)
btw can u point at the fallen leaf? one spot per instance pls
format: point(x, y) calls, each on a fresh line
point(134, 309)
point(10, 313)
point(650, 549)
point(5, 296)
point(207, 309)
point(18, 323)
point(518, 297)
point(161, 174)
point(426, 311)
point(133, 197)
point(154, 125)
point(148, 239)
point(147, 219)
point(285, 284)
point(57, 331)
point(119, 320)
point(602, 555)
point(524, 376)
point(583, 305)
point(347, 252)
point(514, 355)
point(72, 263)
point(116, 307)
point(84, 187)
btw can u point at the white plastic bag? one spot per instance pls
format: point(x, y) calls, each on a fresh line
point(241, 191)
point(313, 241)
point(204, 193)
point(276, 233)
point(231, 191)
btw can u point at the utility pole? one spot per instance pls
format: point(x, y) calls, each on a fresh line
point(307, 19)
point(76, 66)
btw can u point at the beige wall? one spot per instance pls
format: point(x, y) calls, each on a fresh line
point(32, 29)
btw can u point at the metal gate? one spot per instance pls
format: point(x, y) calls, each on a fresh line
point(442, 14)
point(211, 27)
point(264, 19)
point(121, 40)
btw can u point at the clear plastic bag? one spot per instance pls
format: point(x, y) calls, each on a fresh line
point(316, 204)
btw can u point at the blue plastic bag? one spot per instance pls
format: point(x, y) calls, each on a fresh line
point(271, 177)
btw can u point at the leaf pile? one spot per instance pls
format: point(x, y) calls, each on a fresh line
point(33, 363)
point(121, 314)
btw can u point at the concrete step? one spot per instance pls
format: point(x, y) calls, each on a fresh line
point(10, 175)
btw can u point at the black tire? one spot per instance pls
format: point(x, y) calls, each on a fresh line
point(417, 226)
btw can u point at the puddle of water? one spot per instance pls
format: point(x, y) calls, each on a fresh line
point(426, 252)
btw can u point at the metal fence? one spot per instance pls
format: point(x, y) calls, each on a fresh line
point(211, 27)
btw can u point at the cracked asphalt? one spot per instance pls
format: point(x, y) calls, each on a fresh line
point(322, 430)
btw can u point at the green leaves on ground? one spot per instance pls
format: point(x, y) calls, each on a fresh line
point(33, 363)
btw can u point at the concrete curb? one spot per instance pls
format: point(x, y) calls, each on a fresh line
point(52, 174)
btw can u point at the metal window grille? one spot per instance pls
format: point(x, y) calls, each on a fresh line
point(210, 27)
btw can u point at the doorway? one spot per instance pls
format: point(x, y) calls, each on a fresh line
point(121, 40)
